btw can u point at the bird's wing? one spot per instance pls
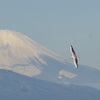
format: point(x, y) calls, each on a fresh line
point(76, 62)
point(72, 51)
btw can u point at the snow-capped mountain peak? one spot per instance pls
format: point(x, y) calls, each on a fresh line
point(17, 49)
point(20, 43)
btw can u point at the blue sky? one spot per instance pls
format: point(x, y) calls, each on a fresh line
point(56, 24)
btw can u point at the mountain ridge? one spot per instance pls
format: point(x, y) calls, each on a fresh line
point(19, 87)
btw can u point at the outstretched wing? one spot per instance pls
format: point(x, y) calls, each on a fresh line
point(72, 51)
point(74, 56)
point(76, 62)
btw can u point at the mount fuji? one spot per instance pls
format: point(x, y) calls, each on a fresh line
point(23, 55)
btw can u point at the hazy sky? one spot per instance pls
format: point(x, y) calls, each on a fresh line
point(56, 24)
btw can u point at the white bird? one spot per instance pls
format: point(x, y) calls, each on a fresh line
point(74, 56)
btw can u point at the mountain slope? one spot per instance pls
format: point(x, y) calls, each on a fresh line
point(20, 54)
point(20, 87)
point(17, 50)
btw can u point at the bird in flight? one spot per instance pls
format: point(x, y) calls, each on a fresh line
point(74, 56)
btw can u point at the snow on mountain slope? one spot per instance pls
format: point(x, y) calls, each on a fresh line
point(20, 46)
point(17, 51)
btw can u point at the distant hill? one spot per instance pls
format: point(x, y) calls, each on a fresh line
point(14, 86)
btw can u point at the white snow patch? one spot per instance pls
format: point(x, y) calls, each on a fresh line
point(67, 74)
point(60, 77)
point(28, 70)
